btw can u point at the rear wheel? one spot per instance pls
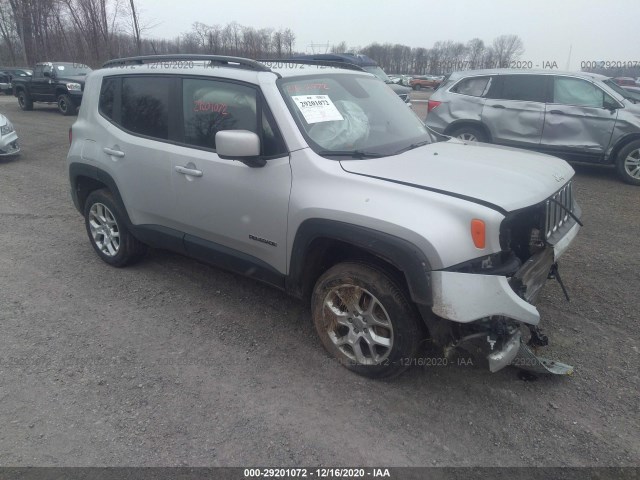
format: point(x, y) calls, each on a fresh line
point(628, 163)
point(107, 231)
point(365, 320)
point(469, 134)
point(66, 105)
point(417, 87)
point(24, 100)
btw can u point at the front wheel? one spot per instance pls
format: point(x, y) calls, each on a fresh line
point(628, 163)
point(66, 105)
point(469, 134)
point(107, 231)
point(25, 101)
point(365, 320)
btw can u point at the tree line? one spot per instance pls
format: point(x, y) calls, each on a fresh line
point(93, 31)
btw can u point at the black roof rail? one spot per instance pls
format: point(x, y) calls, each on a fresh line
point(221, 60)
point(325, 63)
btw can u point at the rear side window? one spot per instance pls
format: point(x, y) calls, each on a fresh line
point(107, 96)
point(145, 106)
point(524, 87)
point(574, 91)
point(474, 86)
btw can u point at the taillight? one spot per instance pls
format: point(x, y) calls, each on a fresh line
point(70, 135)
point(478, 233)
point(432, 104)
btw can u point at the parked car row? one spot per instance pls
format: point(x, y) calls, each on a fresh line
point(580, 117)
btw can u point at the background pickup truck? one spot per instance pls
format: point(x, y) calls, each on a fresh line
point(51, 82)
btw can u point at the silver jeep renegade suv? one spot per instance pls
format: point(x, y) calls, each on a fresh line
point(321, 182)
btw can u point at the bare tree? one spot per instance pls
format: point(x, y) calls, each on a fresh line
point(507, 48)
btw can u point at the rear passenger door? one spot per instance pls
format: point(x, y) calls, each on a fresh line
point(579, 120)
point(228, 209)
point(514, 109)
point(135, 144)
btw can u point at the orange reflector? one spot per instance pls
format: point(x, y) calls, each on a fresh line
point(478, 233)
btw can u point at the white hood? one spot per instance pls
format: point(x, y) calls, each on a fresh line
point(509, 178)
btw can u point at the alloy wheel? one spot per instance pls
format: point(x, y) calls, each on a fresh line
point(632, 164)
point(104, 229)
point(361, 327)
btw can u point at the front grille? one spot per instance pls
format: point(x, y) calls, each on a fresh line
point(557, 211)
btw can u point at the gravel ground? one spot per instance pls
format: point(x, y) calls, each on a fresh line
point(172, 362)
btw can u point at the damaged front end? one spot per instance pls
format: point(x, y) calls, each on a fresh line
point(491, 300)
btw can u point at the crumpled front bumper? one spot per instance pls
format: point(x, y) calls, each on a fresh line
point(516, 353)
point(467, 297)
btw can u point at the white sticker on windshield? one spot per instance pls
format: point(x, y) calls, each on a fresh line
point(60, 67)
point(317, 108)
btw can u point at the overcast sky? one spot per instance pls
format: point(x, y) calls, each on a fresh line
point(596, 29)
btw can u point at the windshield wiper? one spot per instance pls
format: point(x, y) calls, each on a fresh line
point(412, 146)
point(356, 154)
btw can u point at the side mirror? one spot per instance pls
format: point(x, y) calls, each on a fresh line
point(611, 105)
point(241, 145)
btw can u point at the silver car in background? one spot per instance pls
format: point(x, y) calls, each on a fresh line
point(581, 117)
point(8, 138)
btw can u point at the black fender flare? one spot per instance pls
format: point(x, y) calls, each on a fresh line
point(400, 253)
point(83, 170)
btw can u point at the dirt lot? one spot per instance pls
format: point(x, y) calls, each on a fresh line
point(173, 362)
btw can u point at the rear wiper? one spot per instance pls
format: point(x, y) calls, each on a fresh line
point(412, 146)
point(357, 154)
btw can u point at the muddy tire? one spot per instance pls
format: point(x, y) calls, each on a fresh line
point(66, 105)
point(470, 134)
point(628, 163)
point(365, 320)
point(24, 100)
point(108, 232)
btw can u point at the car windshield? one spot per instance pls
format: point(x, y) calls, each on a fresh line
point(347, 115)
point(634, 97)
point(378, 72)
point(71, 69)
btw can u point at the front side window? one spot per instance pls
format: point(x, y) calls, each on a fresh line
point(474, 86)
point(352, 115)
point(145, 105)
point(578, 92)
point(529, 88)
point(210, 106)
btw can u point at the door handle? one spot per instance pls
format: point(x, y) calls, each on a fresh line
point(188, 171)
point(113, 153)
point(498, 106)
point(556, 112)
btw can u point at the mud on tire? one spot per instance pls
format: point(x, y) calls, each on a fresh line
point(365, 320)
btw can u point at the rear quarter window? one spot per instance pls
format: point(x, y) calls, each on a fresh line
point(474, 86)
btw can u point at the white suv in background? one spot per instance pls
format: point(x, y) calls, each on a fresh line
point(320, 182)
